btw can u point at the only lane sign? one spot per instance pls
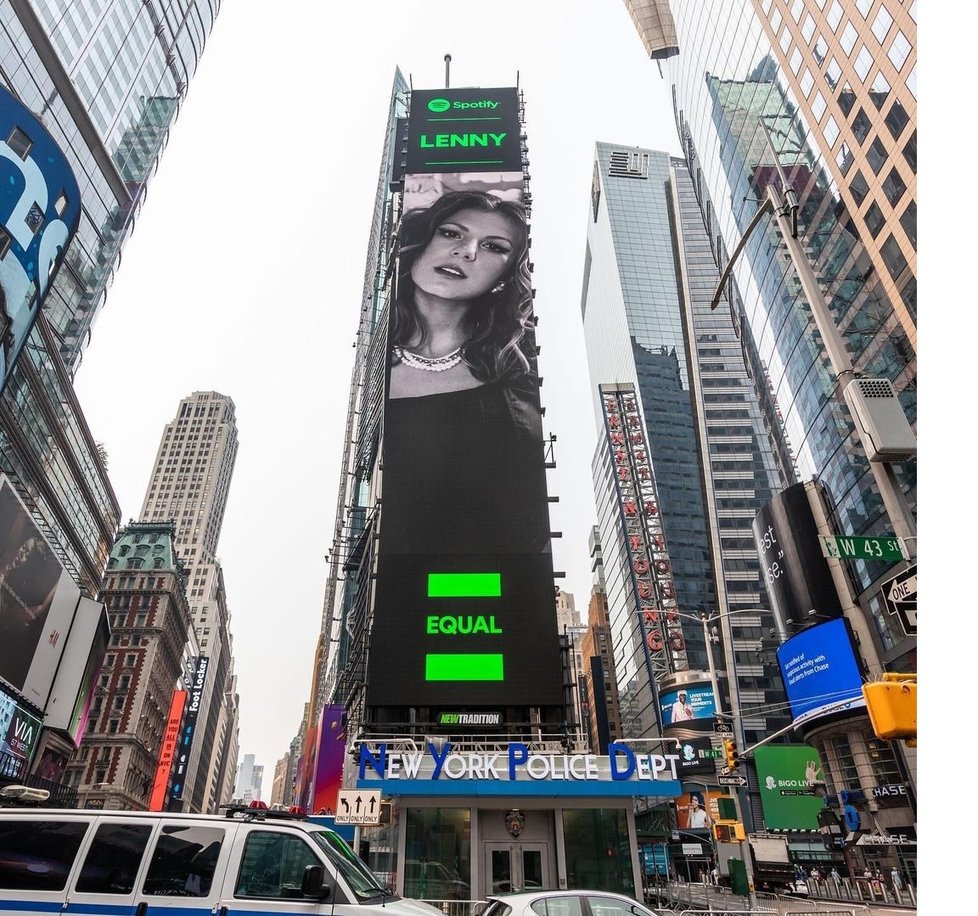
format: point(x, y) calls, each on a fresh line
point(358, 806)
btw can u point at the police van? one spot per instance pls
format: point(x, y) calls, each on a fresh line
point(120, 863)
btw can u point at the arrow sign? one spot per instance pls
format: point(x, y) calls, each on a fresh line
point(358, 806)
point(732, 780)
point(900, 597)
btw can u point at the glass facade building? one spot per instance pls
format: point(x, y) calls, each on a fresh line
point(106, 78)
point(649, 278)
point(819, 97)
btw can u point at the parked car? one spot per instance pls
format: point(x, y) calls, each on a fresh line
point(565, 903)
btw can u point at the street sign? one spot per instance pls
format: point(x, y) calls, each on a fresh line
point(724, 770)
point(732, 780)
point(900, 598)
point(722, 728)
point(358, 806)
point(853, 547)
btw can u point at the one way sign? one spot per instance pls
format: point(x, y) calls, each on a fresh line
point(900, 597)
point(358, 806)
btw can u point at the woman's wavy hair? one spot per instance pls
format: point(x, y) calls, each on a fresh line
point(500, 344)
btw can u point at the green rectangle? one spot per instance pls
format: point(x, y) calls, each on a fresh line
point(464, 585)
point(856, 547)
point(464, 667)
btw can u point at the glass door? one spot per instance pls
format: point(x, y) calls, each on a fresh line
point(513, 867)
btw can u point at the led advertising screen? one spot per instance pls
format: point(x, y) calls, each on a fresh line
point(37, 601)
point(74, 685)
point(39, 210)
point(19, 731)
point(168, 747)
point(329, 759)
point(464, 604)
point(685, 704)
point(786, 775)
point(796, 574)
point(820, 673)
point(181, 758)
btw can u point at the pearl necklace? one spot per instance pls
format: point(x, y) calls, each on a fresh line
point(429, 364)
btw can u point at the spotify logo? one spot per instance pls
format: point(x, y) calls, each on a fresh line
point(439, 105)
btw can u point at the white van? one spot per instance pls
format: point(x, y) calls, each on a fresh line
point(122, 863)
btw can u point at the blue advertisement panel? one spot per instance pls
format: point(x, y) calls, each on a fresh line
point(820, 672)
point(687, 703)
point(40, 206)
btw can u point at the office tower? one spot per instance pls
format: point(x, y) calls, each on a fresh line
point(278, 794)
point(247, 786)
point(101, 83)
point(802, 146)
point(649, 329)
point(567, 615)
point(105, 82)
point(145, 594)
point(601, 684)
point(189, 485)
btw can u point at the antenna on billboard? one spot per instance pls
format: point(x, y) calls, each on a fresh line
point(448, 67)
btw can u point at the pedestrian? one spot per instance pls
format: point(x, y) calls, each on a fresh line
point(896, 880)
point(836, 880)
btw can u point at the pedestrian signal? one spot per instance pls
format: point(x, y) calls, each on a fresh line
point(730, 754)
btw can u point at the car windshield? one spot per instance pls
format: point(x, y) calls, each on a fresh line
point(361, 880)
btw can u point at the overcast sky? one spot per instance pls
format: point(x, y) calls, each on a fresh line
point(245, 270)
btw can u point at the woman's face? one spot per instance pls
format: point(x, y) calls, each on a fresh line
point(467, 255)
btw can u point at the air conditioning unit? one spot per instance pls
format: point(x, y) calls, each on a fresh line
point(886, 433)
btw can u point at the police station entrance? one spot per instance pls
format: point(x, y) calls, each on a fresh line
point(518, 850)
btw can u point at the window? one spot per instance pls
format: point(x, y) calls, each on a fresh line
point(272, 865)
point(113, 859)
point(820, 50)
point(893, 257)
point(37, 855)
point(807, 81)
point(864, 63)
point(864, 7)
point(831, 131)
point(558, 906)
point(834, 15)
point(882, 23)
point(833, 73)
point(909, 223)
point(910, 152)
point(880, 91)
point(797, 8)
point(776, 20)
point(818, 106)
point(899, 50)
point(795, 62)
point(876, 155)
point(808, 29)
point(859, 187)
point(184, 862)
point(874, 219)
point(19, 143)
point(861, 126)
point(897, 119)
point(849, 38)
point(846, 99)
point(785, 40)
point(844, 159)
point(894, 187)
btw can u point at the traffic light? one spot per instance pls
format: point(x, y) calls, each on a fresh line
point(730, 754)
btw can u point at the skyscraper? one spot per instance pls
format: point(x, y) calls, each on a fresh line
point(800, 136)
point(189, 485)
point(145, 594)
point(102, 80)
point(649, 329)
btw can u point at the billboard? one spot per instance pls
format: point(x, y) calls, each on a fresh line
point(698, 810)
point(687, 703)
point(164, 765)
point(37, 602)
point(40, 206)
point(19, 731)
point(820, 672)
point(464, 602)
point(329, 759)
point(786, 774)
point(74, 685)
point(796, 573)
point(181, 756)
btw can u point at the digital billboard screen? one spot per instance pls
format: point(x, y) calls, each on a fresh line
point(40, 206)
point(820, 672)
point(786, 778)
point(685, 704)
point(464, 605)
